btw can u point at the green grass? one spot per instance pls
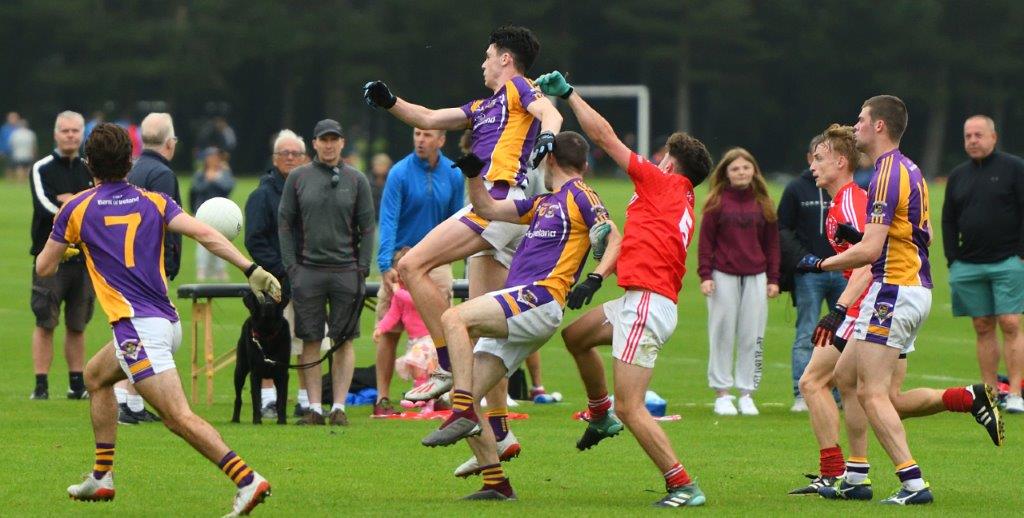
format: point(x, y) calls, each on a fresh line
point(745, 465)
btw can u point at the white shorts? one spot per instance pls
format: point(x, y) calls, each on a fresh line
point(503, 237)
point(532, 315)
point(892, 315)
point(642, 322)
point(145, 346)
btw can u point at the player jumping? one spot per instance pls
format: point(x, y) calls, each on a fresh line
point(834, 159)
point(659, 226)
point(120, 229)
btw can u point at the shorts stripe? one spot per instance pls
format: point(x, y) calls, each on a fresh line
point(474, 222)
point(513, 306)
point(637, 330)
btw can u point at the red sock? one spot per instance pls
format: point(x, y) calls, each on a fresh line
point(676, 476)
point(831, 461)
point(599, 407)
point(958, 399)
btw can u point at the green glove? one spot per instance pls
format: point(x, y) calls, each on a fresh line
point(599, 238)
point(553, 83)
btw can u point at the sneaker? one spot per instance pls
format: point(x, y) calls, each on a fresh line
point(799, 405)
point(903, 496)
point(508, 449)
point(300, 411)
point(843, 490)
point(145, 416)
point(747, 406)
point(125, 415)
point(337, 417)
point(93, 490)
point(459, 426)
point(269, 410)
point(40, 393)
point(250, 495)
point(383, 408)
point(689, 495)
point(817, 482)
point(537, 391)
point(440, 382)
point(607, 426)
point(503, 491)
point(986, 413)
point(1015, 404)
point(78, 394)
point(311, 418)
point(724, 406)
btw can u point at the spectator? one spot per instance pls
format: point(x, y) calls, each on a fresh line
point(213, 180)
point(98, 117)
point(134, 133)
point(802, 213)
point(983, 238)
point(379, 166)
point(10, 124)
point(325, 225)
point(422, 190)
point(739, 269)
point(23, 149)
point(55, 180)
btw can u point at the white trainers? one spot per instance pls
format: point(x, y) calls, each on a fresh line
point(724, 406)
point(799, 405)
point(440, 382)
point(508, 449)
point(249, 496)
point(94, 490)
point(1015, 404)
point(747, 406)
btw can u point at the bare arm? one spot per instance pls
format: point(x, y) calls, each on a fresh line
point(599, 131)
point(859, 281)
point(48, 260)
point(860, 254)
point(606, 266)
point(489, 208)
point(209, 238)
point(547, 114)
point(424, 118)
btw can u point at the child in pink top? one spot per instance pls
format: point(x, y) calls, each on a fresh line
point(420, 357)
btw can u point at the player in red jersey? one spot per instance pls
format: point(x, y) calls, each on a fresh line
point(834, 158)
point(652, 261)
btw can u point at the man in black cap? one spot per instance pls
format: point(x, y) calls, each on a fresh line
point(325, 224)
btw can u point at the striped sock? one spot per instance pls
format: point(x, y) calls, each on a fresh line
point(599, 407)
point(236, 469)
point(958, 399)
point(676, 476)
point(442, 354)
point(857, 470)
point(493, 475)
point(499, 423)
point(910, 475)
point(461, 400)
point(830, 461)
point(104, 460)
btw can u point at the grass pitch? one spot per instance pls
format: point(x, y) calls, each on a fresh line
point(746, 465)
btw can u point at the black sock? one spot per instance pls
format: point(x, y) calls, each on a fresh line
point(76, 381)
point(42, 381)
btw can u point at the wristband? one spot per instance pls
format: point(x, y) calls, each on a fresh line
point(250, 269)
point(567, 94)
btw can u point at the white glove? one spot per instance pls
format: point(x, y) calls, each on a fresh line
point(261, 281)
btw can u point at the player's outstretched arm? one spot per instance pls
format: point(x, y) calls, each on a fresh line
point(50, 258)
point(606, 266)
point(483, 205)
point(584, 291)
point(860, 254)
point(378, 95)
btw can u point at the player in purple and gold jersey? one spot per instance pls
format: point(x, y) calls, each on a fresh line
point(515, 119)
point(513, 322)
point(120, 230)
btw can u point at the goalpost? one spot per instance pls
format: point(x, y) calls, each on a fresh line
point(643, 108)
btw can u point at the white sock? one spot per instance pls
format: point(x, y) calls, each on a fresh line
point(914, 484)
point(268, 395)
point(121, 395)
point(303, 398)
point(135, 403)
point(317, 407)
point(337, 406)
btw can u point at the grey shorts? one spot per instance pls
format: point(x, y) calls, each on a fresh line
point(313, 289)
point(70, 286)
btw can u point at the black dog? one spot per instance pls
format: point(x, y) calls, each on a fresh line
point(262, 353)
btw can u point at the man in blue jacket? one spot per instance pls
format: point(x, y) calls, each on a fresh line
point(421, 191)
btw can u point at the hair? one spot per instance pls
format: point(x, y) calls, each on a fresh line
point(892, 111)
point(690, 155)
point(381, 158)
point(66, 115)
point(518, 41)
point(814, 143)
point(108, 152)
point(571, 151)
point(286, 135)
point(720, 180)
point(840, 139)
point(985, 118)
point(156, 129)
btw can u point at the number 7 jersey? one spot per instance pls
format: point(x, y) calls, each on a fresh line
point(659, 227)
point(120, 229)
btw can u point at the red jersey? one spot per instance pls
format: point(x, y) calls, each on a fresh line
point(850, 207)
point(659, 226)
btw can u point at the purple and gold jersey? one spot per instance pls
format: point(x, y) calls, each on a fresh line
point(898, 197)
point(555, 247)
point(503, 131)
point(120, 229)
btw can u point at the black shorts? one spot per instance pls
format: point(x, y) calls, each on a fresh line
point(70, 286)
point(840, 343)
point(313, 288)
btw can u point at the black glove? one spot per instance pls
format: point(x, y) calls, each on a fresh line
point(828, 325)
point(469, 164)
point(810, 263)
point(849, 233)
point(377, 95)
point(584, 291)
point(544, 145)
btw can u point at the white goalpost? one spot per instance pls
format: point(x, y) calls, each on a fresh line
point(643, 108)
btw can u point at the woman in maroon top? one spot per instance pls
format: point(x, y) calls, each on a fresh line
point(739, 271)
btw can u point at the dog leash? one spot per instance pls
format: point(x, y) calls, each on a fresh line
point(349, 328)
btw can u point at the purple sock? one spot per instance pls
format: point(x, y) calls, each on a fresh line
point(442, 358)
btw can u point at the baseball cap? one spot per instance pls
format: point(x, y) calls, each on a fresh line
point(327, 126)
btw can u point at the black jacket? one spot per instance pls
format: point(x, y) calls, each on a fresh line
point(153, 173)
point(802, 212)
point(982, 215)
point(53, 175)
point(261, 239)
